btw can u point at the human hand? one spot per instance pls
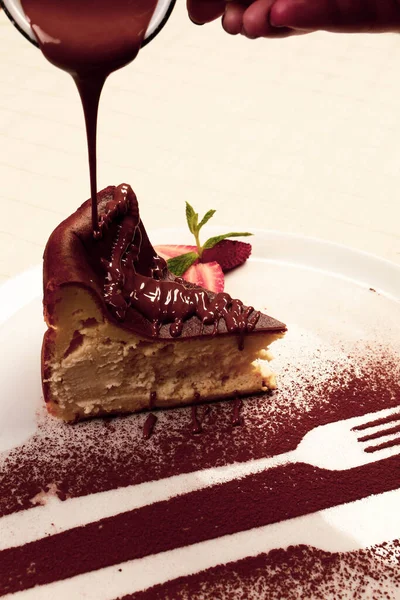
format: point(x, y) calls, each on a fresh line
point(281, 18)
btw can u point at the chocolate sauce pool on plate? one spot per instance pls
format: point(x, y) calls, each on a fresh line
point(90, 40)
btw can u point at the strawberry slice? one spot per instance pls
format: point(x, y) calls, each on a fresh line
point(167, 251)
point(205, 264)
point(228, 253)
point(207, 275)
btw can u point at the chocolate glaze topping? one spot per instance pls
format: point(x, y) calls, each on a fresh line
point(131, 283)
point(160, 301)
point(90, 40)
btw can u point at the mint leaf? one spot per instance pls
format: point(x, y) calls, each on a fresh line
point(210, 243)
point(179, 264)
point(191, 217)
point(206, 218)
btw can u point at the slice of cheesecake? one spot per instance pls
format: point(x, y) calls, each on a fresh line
point(124, 334)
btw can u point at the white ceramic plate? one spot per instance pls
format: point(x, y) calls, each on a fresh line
point(327, 294)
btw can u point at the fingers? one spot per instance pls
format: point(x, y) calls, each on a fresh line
point(232, 20)
point(280, 18)
point(257, 23)
point(204, 11)
point(251, 19)
point(337, 15)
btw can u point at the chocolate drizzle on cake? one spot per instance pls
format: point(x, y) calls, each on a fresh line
point(73, 257)
point(153, 399)
point(106, 268)
point(195, 424)
point(236, 418)
point(149, 425)
point(160, 301)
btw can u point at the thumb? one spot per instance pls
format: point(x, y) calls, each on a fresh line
point(337, 15)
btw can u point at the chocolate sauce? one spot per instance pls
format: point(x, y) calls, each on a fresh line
point(195, 424)
point(149, 426)
point(160, 302)
point(90, 40)
point(73, 256)
point(236, 418)
point(153, 399)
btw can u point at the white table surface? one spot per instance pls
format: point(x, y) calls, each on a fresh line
point(300, 135)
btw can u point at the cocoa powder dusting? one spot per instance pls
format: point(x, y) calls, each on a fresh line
point(383, 446)
point(299, 572)
point(376, 422)
point(265, 498)
point(89, 457)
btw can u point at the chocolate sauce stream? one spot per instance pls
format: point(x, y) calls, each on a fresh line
point(90, 40)
point(90, 91)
